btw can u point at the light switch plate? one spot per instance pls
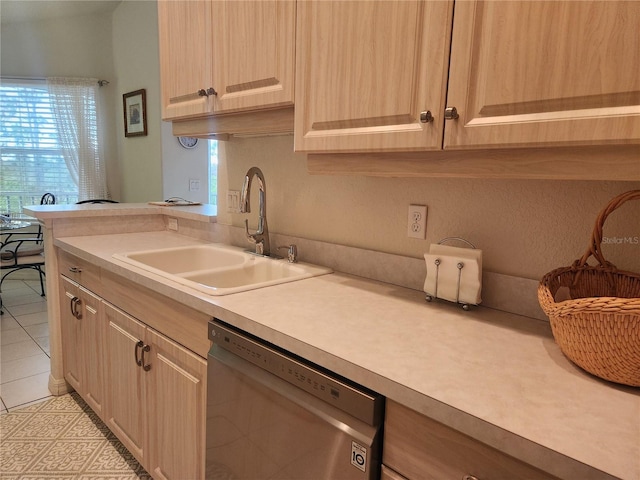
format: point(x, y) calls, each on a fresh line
point(233, 201)
point(194, 184)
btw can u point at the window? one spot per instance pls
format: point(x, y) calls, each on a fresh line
point(213, 172)
point(31, 160)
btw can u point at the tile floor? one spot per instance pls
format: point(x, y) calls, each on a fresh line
point(24, 345)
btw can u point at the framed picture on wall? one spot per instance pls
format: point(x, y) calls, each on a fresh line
point(134, 105)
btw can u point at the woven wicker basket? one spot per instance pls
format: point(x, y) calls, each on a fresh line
point(598, 328)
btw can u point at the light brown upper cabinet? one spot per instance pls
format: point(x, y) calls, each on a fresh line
point(185, 58)
point(521, 74)
point(371, 76)
point(225, 56)
point(544, 73)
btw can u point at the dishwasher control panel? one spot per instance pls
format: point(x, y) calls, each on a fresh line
point(354, 400)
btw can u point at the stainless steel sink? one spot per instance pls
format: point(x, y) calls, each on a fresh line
point(219, 269)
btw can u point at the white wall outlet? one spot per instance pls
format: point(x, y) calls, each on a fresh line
point(233, 201)
point(194, 184)
point(172, 224)
point(417, 221)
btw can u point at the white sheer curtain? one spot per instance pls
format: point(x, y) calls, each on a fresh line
point(75, 106)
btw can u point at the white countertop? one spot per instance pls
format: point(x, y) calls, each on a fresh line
point(495, 376)
point(48, 212)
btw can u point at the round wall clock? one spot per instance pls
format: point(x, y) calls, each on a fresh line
point(188, 142)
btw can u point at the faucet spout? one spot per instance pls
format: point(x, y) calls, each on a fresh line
point(261, 237)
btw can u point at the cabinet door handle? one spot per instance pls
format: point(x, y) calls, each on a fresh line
point(75, 269)
point(75, 301)
point(469, 477)
point(78, 310)
point(451, 113)
point(145, 367)
point(140, 344)
point(211, 91)
point(202, 92)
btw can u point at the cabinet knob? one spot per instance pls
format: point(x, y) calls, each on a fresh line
point(469, 477)
point(75, 269)
point(205, 93)
point(451, 113)
point(426, 117)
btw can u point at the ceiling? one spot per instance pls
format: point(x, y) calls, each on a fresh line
point(14, 11)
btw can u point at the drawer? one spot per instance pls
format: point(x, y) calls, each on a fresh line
point(418, 447)
point(388, 474)
point(183, 324)
point(80, 271)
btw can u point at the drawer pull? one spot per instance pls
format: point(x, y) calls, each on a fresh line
point(469, 477)
point(75, 269)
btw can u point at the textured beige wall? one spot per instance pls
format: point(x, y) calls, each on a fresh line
point(135, 47)
point(524, 227)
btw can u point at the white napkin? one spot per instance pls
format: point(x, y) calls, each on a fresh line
point(448, 273)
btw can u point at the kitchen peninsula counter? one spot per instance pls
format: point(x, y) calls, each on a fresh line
point(495, 376)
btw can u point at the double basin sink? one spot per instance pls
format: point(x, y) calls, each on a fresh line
point(217, 269)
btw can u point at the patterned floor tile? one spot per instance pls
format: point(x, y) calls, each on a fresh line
point(62, 439)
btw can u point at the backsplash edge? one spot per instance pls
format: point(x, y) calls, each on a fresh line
point(500, 292)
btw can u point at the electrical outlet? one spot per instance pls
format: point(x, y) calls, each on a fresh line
point(172, 224)
point(417, 221)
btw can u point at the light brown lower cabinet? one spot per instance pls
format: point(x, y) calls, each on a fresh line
point(419, 448)
point(156, 398)
point(82, 324)
point(147, 388)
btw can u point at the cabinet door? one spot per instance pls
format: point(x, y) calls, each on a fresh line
point(253, 54)
point(126, 402)
point(71, 329)
point(93, 327)
point(176, 409)
point(365, 71)
point(184, 29)
point(540, 73)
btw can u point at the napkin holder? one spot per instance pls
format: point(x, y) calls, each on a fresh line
point(453, 273)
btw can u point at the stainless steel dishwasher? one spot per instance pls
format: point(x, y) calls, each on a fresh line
point(271, 415)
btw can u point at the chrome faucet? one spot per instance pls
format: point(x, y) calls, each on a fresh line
point(261, 236)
